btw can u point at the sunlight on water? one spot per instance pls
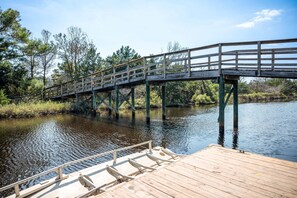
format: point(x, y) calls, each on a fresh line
point(31, 146)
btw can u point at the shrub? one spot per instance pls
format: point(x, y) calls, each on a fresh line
point(3, 98)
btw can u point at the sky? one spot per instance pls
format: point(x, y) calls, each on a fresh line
point(149, 25)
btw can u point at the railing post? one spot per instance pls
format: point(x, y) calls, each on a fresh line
point(150, 145)
point(61, 88)
point(236, 60)
point(144, 68)
point(128, 73)
point(60, 174)
point(102, 82)
point(113, 76)
point(114, 157)
point(82, 84)
point(259, 58)
point(220, 59)
point(208, 62)
point(189, 63)
point(272, 60)
point(164, 66)
point(92, 82)
point(17, 190)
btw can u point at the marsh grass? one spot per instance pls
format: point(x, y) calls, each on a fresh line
point(29, 110)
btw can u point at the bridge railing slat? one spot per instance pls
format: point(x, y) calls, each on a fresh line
point(254, 55)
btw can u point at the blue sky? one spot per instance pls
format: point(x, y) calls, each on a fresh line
point(148, 26)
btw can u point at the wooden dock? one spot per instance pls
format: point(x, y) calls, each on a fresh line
point(215, 172)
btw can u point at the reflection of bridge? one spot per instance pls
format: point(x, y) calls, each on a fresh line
point(224, 61)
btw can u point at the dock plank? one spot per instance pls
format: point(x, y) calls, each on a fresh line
point(215, 172)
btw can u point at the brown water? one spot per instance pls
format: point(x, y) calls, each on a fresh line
point(31, 146)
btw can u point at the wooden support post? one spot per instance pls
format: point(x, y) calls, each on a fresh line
point(94, 100)
point(189, 63)
point(236, 60)
point(221, 103)
point(133, 102)
point(235, 106)
point(163, 102)
point(272, 60)
point(220, 59)
point(259, 58)
point(117, 103)
point(147, 101)
point(164, 66)
point(76, 99)
point(109, 103)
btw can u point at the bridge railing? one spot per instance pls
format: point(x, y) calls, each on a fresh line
point(273, 55)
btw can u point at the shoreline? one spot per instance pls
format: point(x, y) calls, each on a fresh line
point(54, 108)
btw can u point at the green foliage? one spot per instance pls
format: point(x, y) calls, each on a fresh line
point(243, 87)
point(13, 35)
point(3, 98)
point(13, 79)
point(124, 54)
point(289, 87)
point(257, 97)
point(26, 110)
point(31, 52)
point(201, 99)
point(78, 54)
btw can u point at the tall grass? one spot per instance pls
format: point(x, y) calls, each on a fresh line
point(28, 110)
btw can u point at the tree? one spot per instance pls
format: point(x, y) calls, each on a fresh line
point(31, 52)
point(124, 54)
point(47, 53)
point(13, 76)
point(74, 49)
point(13, 35)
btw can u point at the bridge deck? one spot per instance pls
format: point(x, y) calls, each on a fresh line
point(276, 58)
point(215, 172)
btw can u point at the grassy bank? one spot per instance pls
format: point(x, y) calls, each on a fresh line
point(29, 110)
point(263, 97)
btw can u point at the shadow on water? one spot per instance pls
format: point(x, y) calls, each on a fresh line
point(31, 146)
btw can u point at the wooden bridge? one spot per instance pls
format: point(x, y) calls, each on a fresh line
point(226, 62)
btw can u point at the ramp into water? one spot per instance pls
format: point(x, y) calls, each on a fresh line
point(215, 172)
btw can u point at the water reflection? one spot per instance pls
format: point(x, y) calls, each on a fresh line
point(34, 145)
point(235, 140)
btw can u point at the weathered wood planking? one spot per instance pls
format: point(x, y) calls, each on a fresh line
point(215, 172)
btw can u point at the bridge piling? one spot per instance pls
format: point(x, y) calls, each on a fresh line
point(109, 103)
point(221, 104)
point(163, 87)
point(133, 102)
point(117, 102)
point(235, 106)
point(94, 100)
point(147, 102)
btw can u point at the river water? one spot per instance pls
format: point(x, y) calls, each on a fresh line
point(31, 146)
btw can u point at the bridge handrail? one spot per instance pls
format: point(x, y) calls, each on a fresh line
point(217, 45)
point(59, 168)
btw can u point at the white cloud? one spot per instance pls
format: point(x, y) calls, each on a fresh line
point(263, 15)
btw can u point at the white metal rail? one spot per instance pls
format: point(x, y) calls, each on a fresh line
point(59, 169)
